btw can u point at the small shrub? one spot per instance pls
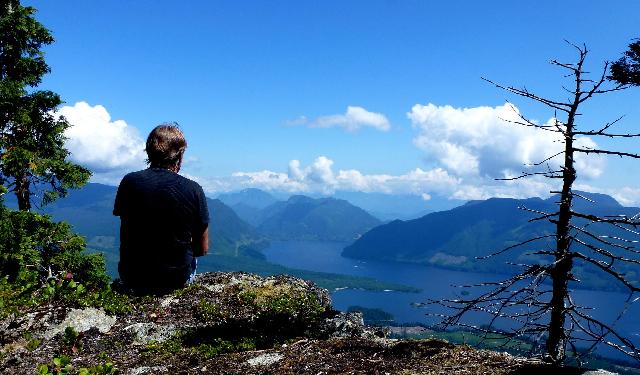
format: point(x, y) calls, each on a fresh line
point(208, 311)
point(71, 340)
point(220, 346)
point(62, 366)
point(44, 261)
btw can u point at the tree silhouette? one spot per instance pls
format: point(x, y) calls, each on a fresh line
point(626, 70)
point(538, 300)
point(32, 154)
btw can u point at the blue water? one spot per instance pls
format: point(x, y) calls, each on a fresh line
point(435, 284)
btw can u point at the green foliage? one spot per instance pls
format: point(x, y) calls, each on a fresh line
point(14, 297)
point(220, 346)
point(211, 347)
point(208, 311)
point(100, 369)
point(626, 70)
point(282, 301)
point(43, 261)
point(169, 347)
point(32, 342)
point(282, 312)
point(71, 340)
point(62, 366)
point(34, 248)
point(32, 153)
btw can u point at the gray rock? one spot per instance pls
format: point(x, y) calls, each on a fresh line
point(144, 333)
point(351, 325)
point(265, 359)
point(147, 370)
point(345, 325)
point(82, 320)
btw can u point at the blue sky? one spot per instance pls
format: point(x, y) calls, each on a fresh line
point(319, 96)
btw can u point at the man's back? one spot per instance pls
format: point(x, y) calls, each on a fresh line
point(161, 213)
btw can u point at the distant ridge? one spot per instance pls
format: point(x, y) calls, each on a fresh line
point(323, 219)
point(454, 238)
point(250, 197)
point(248, 202)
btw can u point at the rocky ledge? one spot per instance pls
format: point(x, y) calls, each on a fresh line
point(230, 323)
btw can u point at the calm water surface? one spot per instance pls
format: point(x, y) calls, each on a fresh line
point(435, 284)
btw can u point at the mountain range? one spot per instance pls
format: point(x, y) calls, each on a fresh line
point(89, 211)
point(248, 203)
point(300, 217)
point(451, 238)
point(234, 244)
point(305, 218)
point(455, 238)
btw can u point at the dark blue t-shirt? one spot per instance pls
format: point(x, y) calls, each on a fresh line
point(161, 214)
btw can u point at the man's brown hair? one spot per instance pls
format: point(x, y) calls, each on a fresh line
point(165, 147)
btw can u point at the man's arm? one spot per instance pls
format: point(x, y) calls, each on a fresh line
point(201, 245)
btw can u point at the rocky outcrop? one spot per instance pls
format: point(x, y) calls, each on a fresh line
point(228, 323)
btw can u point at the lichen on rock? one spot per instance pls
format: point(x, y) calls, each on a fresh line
point(82, 320)
point(229, 323)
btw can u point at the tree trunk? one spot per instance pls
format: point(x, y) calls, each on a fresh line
point(22, 192)
point(561, 269)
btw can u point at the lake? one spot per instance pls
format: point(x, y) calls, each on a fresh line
point(435, 283)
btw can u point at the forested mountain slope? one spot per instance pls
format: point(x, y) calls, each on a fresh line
point(454, 238)
point(325, 219)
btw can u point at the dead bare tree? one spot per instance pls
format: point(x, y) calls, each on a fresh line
point(538, 299)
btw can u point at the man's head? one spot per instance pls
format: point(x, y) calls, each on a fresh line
point(165, 147)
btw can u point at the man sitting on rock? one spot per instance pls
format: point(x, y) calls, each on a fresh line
point(163, 219)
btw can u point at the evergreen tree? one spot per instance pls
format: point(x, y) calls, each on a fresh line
point(626, 70)
point(33, 159)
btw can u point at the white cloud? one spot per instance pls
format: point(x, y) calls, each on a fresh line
point(627, 196)
point(481, 142)
point(100, 144)
point(265, 179)
point(320, 177)
point(352, 120)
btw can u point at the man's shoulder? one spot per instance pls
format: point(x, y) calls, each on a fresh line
point(135, 175)
point(191, 184)
point(156, 177)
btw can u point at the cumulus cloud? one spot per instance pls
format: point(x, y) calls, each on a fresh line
point(352, 120)
point(320, 177)
point(625, 195)
point(482, 142)
point(101, 144)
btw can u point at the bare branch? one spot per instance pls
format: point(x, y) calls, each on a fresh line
point(565, 107)
point(547, 159)
point(549, 174)
point(538, 308)
point(515, 246)
point(609, 220)
point(606, 152)
point(607, 268)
